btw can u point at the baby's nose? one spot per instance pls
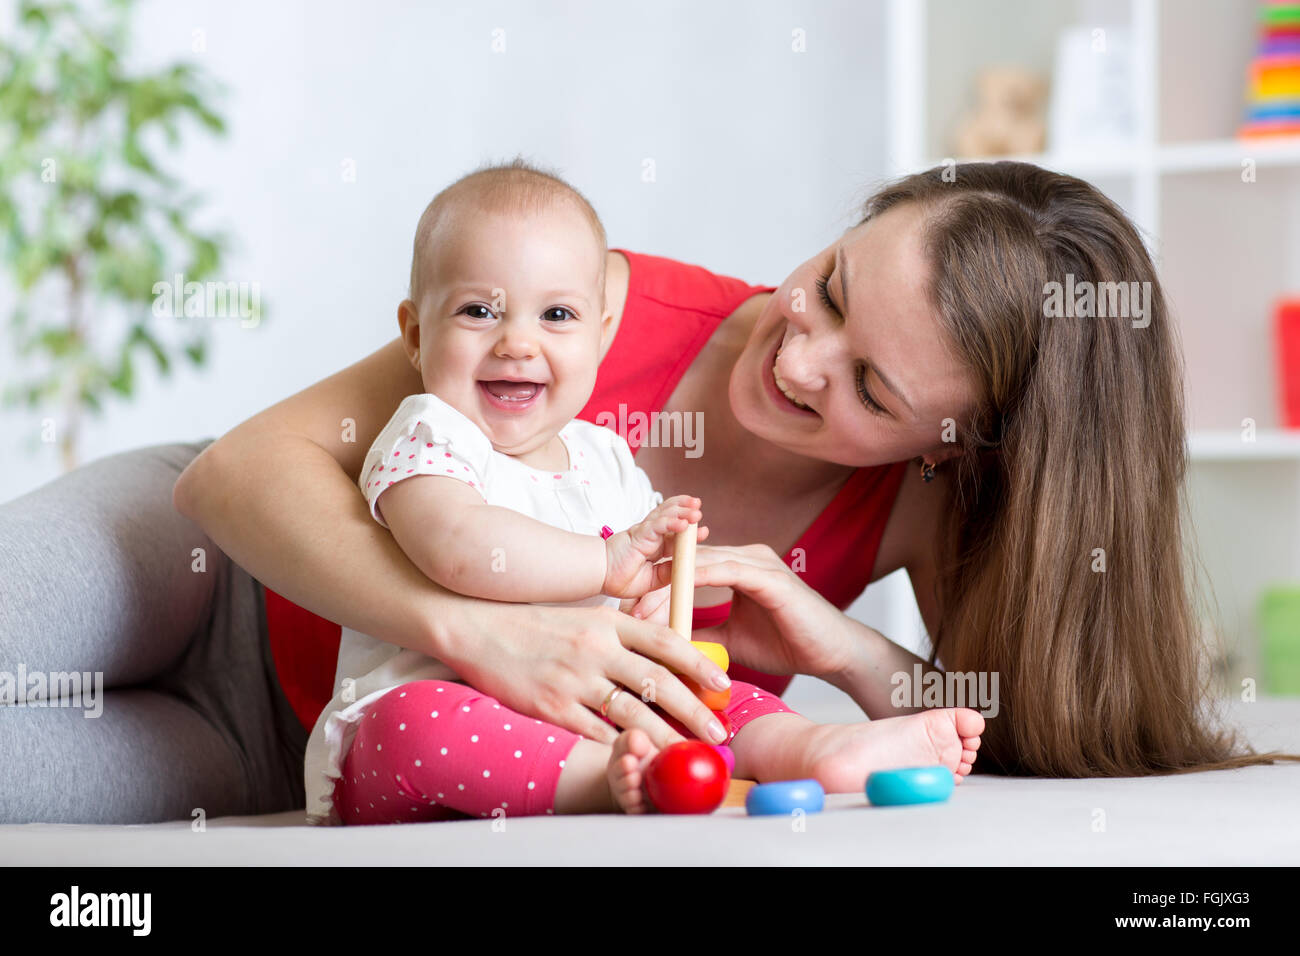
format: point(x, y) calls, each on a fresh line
point(516, 344)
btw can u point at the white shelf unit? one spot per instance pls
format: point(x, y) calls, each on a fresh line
point(1227, 249)
point(1209, 445)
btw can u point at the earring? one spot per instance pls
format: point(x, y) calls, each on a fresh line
point(927, 471)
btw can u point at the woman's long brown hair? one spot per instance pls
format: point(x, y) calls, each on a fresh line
point(1077, 444)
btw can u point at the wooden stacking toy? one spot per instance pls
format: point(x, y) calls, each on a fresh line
point(687, 777)
point(693, 776)
point(784, 798)
point(908, 785)
point(681, 608)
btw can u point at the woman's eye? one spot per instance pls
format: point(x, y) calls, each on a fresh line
point(478, 311)
point(823, 294)
point(860, 380)
point(557, 314)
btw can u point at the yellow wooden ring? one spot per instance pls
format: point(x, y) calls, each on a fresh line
point(714, 652)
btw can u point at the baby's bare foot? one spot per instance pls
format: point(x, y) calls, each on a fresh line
point(633, 751)
point(841, 756)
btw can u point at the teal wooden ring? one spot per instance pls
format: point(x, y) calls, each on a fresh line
point(896, 788)
point(783, 798)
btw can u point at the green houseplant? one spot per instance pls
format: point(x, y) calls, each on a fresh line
point(89, 220)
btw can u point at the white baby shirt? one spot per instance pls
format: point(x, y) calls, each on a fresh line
point(426, 436)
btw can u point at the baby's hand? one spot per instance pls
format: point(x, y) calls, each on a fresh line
point(630, 555)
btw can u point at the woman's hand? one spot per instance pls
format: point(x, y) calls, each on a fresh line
point(630, 555)
point(778, 624)
point(559, 664)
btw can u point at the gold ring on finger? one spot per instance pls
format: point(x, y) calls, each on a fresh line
point(609, 700)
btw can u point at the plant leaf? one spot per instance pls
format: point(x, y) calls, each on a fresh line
point(124, 381)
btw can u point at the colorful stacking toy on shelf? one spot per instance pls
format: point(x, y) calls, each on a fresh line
point(1273, 95)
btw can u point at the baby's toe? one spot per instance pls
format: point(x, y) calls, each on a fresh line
point(969, 722)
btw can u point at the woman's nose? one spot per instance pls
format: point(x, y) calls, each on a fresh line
point(802, 360)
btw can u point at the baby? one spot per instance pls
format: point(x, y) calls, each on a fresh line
point(494, 489)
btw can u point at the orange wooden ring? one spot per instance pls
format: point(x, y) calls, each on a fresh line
point(712, 699)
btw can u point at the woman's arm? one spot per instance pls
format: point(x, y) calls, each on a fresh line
point(780, 625)
point(911, 541)
point(868, 674)
point(278, 495)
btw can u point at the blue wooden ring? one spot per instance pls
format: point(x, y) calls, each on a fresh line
point(783, 798)
point(894, 788)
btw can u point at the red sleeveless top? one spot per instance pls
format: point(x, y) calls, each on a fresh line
point(672, 309)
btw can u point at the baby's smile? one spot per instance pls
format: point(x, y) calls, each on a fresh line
point(511, 395)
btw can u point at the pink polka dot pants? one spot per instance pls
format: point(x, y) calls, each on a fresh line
point(438, 750)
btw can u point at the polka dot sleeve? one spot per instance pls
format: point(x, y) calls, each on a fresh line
point(426, 436)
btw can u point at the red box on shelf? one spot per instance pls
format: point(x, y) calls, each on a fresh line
point(1288, 360)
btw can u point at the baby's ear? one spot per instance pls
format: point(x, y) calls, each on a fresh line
point(606, 326)
point(408, 322)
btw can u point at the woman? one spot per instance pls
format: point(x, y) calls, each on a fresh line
point(1067, 437)
point(920, 335)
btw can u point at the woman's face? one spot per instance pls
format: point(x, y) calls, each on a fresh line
point(872, 365)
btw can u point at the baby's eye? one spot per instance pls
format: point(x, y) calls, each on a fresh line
point(477, 311)
point(557, 314)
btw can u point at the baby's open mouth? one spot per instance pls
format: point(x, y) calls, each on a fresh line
point(512, 391)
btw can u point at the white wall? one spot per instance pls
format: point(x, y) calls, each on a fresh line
point(761, 156)
point(760, 153)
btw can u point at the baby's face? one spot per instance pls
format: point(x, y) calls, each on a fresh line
point(511, 317)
